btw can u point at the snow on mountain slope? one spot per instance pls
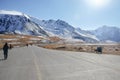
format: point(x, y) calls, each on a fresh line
point(62, 29)
point(86, 34)
point(18, 23)
point(107, 33)
point(58, 27)
point(14, 22)
point(13, 13)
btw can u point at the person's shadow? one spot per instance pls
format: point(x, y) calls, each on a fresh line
point(1, 59)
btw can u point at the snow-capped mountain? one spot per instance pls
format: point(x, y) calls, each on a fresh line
point(86, 34)
point(64, 30)
point(107, 33)
point(14, 22)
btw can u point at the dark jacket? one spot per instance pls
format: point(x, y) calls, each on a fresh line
point(5, 47)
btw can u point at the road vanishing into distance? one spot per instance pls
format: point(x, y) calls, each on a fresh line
point(35, 63)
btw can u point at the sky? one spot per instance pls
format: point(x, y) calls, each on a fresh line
point(86, 14)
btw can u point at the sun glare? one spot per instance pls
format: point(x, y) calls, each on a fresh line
point(98, 4)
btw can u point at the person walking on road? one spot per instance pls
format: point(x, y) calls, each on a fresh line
point(10, 46)
point(5, 50)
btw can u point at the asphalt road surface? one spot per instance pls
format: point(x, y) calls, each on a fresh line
point(34, 63)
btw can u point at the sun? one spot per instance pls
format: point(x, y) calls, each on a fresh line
point(97, 4)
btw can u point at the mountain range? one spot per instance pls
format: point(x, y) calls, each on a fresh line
point(107, 33)
point(13, 22)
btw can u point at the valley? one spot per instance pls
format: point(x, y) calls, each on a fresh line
point(56, 43)
point(20, 29)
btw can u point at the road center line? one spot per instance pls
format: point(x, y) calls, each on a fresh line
point(37, 66)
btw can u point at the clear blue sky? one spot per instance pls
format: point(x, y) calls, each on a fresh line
point(86, 14)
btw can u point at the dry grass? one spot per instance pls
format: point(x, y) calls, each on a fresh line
point(19, 40)
point(53, 46)
point(22, 40)
point(107, 49)
point(54, 39)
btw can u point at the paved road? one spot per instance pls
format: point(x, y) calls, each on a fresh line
point(34, 63)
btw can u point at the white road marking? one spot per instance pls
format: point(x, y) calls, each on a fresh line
point(37, 66)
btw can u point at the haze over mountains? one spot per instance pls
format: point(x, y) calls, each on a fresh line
point(14, 22)
point(107, 33)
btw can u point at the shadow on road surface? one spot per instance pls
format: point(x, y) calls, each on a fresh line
point(1, 59)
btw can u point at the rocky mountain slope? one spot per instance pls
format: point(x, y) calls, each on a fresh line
point(12, 22)
point(64, 30)
point(107, 33)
